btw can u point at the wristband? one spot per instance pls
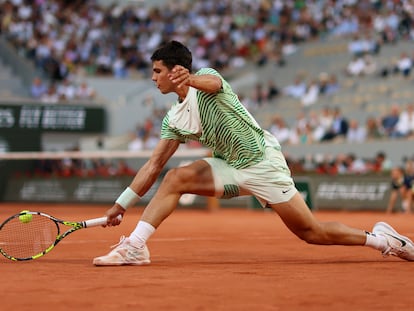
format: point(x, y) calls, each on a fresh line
point(128, 198)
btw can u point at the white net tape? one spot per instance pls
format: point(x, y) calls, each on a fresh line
point(96, 154)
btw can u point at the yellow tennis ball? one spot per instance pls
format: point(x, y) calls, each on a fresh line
point(26, 218)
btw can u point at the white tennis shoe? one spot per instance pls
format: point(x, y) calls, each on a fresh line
point(124, 253)
point(398, 245)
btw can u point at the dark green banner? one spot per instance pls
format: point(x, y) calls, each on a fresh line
point(53, 118)
point(352, 192)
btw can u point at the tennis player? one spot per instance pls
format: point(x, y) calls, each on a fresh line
point(246, 160)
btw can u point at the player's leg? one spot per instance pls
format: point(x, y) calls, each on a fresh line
point(195, 178)
point(270, 181)
point(300, 220)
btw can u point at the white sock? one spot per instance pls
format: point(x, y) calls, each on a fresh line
point(405, 206)
point(376, 241)
point(141, 233)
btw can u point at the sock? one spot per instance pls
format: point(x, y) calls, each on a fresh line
point(376, 241)
point(141, 233)
point(405, 206)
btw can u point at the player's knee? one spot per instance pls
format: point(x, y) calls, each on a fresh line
point(178, 177)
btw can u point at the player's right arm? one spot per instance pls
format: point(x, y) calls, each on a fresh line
point(149, 172)
point(146, 175)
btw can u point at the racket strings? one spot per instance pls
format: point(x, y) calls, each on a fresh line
point(26, 239)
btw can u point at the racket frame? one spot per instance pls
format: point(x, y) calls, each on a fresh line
point(74, 226)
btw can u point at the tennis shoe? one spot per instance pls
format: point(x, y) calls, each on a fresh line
point(124, 253)
point(398, 245)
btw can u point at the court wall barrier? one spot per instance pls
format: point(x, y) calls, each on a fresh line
point(353, 192)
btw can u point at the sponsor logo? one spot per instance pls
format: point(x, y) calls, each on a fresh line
point(403, 243)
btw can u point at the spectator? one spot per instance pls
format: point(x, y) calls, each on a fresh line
point(373, 129)
point(38, 88)
point(339, 128)
point(297, 89)
point(355, 165)
point(358, 47)
point(404, 65)
point(145, 138)
point(119, 69)
point(397, 188)
point(356, 133)
point(66, 90)
point(311, 94)
point(305, 134)
point(54, 67)
point(322, 123)
point(326, 166)
point(104, 62)
point(385, 26)
point(301, 121)
point(340, 164)
point(323, 81)
point(280, 129)
point(51, 96)
point(272, 91)
point(84, 91)
point(390, 120)
point(260, 94)
point(356, 67)
point(381, 163)
point(405, 124)
point(295, 136)
point(332, 85)
point(370, 65)
point(123, 169)
point(151, 139)
point(136, 143)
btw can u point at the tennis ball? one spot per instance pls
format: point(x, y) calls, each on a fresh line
point(25, 218)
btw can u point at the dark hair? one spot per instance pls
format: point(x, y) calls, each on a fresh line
point(173, 53)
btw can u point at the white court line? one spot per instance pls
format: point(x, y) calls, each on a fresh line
point(183, 239)
point(173, 239)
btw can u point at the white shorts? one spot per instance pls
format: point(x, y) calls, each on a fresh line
point(269, 181)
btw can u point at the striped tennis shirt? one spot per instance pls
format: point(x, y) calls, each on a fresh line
point(220, 122)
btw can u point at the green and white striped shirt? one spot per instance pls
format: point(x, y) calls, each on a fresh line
point(220, 122)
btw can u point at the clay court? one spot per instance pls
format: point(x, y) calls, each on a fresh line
point(232, 259)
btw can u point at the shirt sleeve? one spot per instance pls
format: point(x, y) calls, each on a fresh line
point(169, 133)
point(225, 86)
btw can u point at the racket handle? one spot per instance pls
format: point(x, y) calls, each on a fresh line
point(98, 221)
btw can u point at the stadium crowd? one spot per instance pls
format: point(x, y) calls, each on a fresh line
point(68, 39)
point(81, 168)
point(332, 125)
point(65, 39)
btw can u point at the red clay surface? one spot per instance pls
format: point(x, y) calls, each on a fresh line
point(232, 259)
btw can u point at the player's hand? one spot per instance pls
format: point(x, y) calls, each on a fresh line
point(180, 76)
point(112, 215)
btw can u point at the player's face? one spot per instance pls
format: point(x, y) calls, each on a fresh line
point(160, 77)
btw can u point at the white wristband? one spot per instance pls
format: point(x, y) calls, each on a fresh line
point(128, 198)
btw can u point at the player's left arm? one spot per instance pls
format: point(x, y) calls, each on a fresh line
point(207, 83)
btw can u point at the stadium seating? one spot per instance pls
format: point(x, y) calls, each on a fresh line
point(133, 99)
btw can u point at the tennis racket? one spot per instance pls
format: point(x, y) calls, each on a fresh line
point(29, 235)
